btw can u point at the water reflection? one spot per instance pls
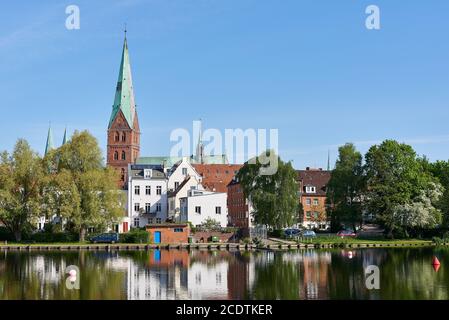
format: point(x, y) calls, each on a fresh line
point(180, 274)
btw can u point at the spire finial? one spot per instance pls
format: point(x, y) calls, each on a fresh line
point(125, 30)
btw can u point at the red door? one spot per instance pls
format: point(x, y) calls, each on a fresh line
point(125, 226)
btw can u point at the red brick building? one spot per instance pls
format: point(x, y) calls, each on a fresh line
point(123, 129)
point(169, 233)
point(239, 208)
point(312, 194)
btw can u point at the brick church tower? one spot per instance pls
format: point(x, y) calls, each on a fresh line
point(123, 129)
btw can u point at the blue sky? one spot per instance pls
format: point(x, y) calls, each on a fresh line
point(308, 68)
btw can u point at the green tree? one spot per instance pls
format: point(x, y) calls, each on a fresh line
point(440, 170)
point(91, 188)
point(345, 188)
point(274, 196)
point(395, 177)
point(21, 177)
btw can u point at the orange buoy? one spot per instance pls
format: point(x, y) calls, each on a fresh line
point(435, 261)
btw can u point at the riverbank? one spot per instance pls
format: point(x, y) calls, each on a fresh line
point(273, 245)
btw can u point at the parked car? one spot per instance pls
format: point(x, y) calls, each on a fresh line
point(308, 234)
point(105, 238)
point(291, 233)
point(346, 233)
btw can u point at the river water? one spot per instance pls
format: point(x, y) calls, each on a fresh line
point(404, 273)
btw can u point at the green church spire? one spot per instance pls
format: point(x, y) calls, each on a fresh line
point(49, 145)
point(64, 139)
point(124, 94)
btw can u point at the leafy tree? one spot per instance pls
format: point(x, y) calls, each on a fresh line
point(91, 188)
point(273, 196)
point(440, 170)
point(21, 177)
point(395, 177)
point(345, 188)
point(422, 212)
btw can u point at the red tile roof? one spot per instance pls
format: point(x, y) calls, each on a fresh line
point(314, 177)
point(216, 177)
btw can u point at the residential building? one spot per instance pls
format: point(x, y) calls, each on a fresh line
point(239, 207)
point(174, 197)
point(147, 195)
point(312, 194)
point(123, 146)
point(201, 205)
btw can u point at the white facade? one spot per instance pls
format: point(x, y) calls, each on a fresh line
point(179, 172)
point(174, 198)
point(147, 196)
point(200, 205)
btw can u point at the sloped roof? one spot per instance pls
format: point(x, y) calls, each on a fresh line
point(314, 177)
point(216, 177)
point(124, 93)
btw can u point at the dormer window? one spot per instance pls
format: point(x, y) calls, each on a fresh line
point(147, 173)
point(310, 189)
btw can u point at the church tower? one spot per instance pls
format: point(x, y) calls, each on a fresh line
point(123, 129)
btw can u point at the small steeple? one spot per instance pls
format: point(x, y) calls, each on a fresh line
point(49, 144)
point(199, 146)
point(64, 139)
point(328, 160)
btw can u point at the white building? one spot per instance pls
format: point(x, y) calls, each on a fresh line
point(200, 205)
point(147, 195)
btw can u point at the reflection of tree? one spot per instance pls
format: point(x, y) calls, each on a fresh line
point(276, 279)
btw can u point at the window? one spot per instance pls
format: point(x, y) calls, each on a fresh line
point(158, 207)
point(158, 190)
point(150, 220)
point(158, 220)
point(123, 174)
point(123, 137)
point(117, 137)
point(316, 214)
point(308, 201)
point(136, 207)
point(147, 190)
point(198, 209)
point(136, 222)
point(308, 214)
point(310, 189)
point(176, 185)
point(115, 155)
point(315, 202)
point(179, 230)
point(217, 210)
point(147, 173)
point(184, 171)
point(147, 207)
point(137, 190)
point(123, 155)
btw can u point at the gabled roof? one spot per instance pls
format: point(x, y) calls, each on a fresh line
point(124, 93)
point(314, 177)
point(216, 177)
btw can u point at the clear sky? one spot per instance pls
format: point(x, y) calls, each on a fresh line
point(308, 68)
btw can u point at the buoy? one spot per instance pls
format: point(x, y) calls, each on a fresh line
point(435, 261)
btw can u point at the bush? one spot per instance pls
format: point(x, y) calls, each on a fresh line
point(6, 235)
point(135, 236)
point(277, 233)
point(438, 241)
point(45, 237)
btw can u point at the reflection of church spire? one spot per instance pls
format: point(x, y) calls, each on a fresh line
point(200, 146)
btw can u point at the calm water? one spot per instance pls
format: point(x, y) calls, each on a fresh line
point(310, 274)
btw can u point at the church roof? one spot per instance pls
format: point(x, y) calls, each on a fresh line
point(49, 145)
point(168, 161)
point(124, 94)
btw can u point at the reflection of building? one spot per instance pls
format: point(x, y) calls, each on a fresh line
point(312, 195)
point(240, 276)
point(316, 267)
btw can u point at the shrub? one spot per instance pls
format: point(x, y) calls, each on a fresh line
point(438, 241)
point(135, 236)
point(6, 235)
point(277, 233)
point(46, 237)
